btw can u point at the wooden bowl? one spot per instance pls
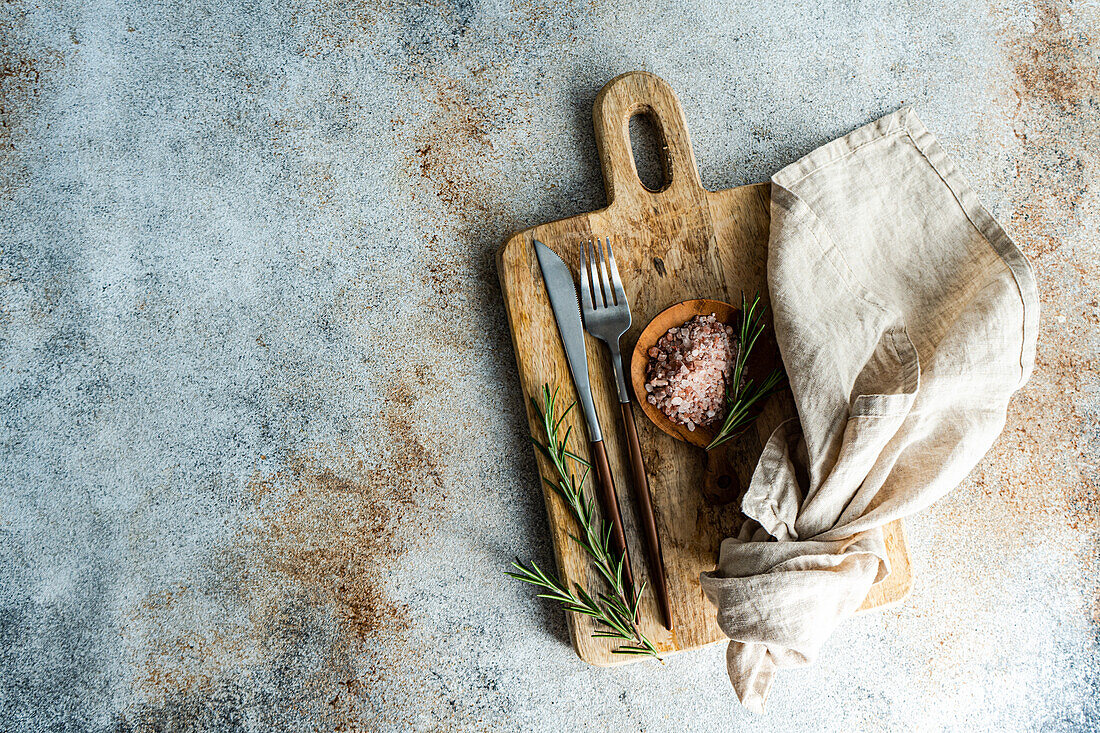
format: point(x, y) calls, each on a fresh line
point(672, 317)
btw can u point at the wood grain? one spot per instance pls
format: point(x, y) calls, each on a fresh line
point(678, 243)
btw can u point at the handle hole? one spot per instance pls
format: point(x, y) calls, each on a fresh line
point(650, 151)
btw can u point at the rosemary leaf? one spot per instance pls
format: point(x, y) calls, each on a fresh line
point(744, 399)
point(615, 613)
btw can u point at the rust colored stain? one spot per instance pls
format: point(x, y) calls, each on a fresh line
point(23, 74)
point(452, 166)
point(1044, 467)
point(320, 538)
point(453, 146)
point(327, 534)
point(185, 663)
point(1053, 63)
point(331, 528)
point(441, 271)
point(1056, 116)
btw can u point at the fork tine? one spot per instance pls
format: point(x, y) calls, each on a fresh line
point(599, 298)
point(586, 288)
point(616, 281)
point(607, 294)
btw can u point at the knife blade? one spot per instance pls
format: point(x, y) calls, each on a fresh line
point(567, 312)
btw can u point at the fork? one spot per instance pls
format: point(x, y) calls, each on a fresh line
point(607, 317)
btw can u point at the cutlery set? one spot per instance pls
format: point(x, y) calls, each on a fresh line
point(606, 316)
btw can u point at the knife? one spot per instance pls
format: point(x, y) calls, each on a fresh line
point(562, 291)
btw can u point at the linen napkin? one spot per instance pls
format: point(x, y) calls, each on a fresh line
point(906, 318)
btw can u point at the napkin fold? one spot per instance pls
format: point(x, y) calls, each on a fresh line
point(905, 318)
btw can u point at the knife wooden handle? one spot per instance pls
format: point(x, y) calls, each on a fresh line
point(649, 522)
point(610, 504)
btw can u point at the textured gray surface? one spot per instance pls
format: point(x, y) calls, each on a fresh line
point(262, 449)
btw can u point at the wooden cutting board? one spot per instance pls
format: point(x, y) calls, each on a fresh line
point(681, 242)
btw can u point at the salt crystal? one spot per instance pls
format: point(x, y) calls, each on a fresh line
point(688, 370)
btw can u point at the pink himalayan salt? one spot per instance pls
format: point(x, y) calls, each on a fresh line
point(688, 370)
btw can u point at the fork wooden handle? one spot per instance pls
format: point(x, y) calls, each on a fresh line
point(610, 504)
point(649, 522)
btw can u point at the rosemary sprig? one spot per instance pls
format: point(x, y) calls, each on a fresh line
point(616, 615)
point(741, 394)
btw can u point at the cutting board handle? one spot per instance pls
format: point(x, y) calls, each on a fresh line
point(620, 99)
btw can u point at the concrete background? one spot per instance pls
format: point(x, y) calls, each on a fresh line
point(262, 447)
